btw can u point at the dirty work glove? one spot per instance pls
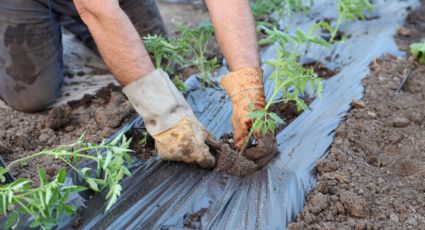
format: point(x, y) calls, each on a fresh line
point(169, 120)
point(245, 87)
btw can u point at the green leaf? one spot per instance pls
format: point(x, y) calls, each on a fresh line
point(418, 50)
point(276, 118)
point(74, 188)
point(255, 114)
point(12, 221)
point(42, 177)
point(92, 184)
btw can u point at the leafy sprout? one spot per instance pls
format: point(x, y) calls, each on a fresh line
point(279, 7)
point(418, 50)
point(47, 203)
point(350, 10)
point(290, 77)
point(198, 39)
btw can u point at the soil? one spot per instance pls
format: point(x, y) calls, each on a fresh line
point(321, 70)
point(373, 177)
point(193, 221)
point(231, 162)
point(22, 134)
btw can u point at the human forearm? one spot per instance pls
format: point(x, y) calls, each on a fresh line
point(235, 32)
point(116, 38)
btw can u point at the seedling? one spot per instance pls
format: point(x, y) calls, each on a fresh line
point(47, 203)
point(350, 10)
point(169, 54)
point(279, 7)
point(289, 76)
point(144, 140)
point(418, 50)
point(198, 39)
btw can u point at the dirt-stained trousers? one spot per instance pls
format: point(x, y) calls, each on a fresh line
point(31, 64)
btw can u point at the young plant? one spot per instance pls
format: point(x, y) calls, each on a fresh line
point(168, 54)
point(350, 10)
point(290, 77)
point(418, 50)
point(48, 202)
point(279, 7)
point(198, 39)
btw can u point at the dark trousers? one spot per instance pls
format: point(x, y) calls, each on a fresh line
point(31, 65)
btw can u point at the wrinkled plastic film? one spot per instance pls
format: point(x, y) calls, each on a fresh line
point(163, 194)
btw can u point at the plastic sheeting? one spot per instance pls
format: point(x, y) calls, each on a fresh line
point(160, 195)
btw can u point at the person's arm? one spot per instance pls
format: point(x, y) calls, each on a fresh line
point(235, 32)
point(234, 27)
point(116, 38)
point(168, 117)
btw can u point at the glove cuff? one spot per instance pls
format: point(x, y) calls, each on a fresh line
point(246, 79)
point(158, 101)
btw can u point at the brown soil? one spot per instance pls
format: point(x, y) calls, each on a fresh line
point(414, 29)
point(22, 134)
point(193, 221)
point(374, 175)
point(321, 70)
point(232, 163)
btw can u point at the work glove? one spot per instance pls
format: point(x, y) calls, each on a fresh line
point(169, 120)
point(246, 89)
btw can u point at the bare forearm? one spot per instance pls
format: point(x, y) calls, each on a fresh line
point(235, 32)
point(117, 40)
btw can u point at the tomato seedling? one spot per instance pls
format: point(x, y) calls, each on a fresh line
point(198, 39)
point(47, 203)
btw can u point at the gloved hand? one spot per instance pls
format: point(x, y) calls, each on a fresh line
point(169, 119)
point(245, 87)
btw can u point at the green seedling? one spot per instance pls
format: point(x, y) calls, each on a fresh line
point(47, 203)
point(144, 140)
point(169, 54)
point(198, 39)
point(290, 77)
point(279, 7)
point(350, 10)
point(418, 50)
point(166, 52)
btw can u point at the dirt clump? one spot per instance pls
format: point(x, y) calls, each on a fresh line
point(233, 163)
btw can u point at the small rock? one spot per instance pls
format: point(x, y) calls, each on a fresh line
point(412, 221)
point(44, 137)
point(394, 218)
point(57, 117)
point(326, 165)
point(371, 114)
point(319, 202)
point(358, 104)
point(400, 122)
point(403, 31)
point(416, 118)
point(355, 205)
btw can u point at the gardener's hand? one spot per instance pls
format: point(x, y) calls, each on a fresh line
point(170, 120)
point(185, 142)
point(245, 87)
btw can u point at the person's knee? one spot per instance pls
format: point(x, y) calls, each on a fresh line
point(29, 101)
